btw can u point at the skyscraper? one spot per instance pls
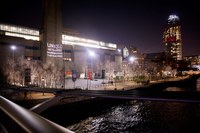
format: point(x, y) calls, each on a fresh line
point(172, 38)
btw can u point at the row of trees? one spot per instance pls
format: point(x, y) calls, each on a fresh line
point(50, 74)
point(42, 74)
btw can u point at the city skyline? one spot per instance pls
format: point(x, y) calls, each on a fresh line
point(140, 24)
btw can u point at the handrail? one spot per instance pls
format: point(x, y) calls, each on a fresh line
point(30, 121)
point(46, 104)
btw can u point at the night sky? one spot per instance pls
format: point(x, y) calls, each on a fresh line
point(137, 23)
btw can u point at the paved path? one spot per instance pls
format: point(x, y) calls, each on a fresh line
point(99, 84)
point(82, 84)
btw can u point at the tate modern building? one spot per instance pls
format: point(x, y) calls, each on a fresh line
point(54, 44)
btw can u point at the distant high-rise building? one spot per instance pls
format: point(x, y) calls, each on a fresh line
point(172, 38)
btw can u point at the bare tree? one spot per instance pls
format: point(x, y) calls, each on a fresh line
point(46, 75)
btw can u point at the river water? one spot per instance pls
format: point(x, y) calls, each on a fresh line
point(134, 116)
point(127, 116)
point(144, 117)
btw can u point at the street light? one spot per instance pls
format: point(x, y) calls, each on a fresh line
point(132, 59)
point(90, 54)
point(13, 47)
point(64, 59)
point(119, 50)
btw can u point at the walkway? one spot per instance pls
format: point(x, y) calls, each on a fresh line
point(80, 83)
point(99, 84)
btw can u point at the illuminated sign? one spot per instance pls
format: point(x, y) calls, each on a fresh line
point(54, 50)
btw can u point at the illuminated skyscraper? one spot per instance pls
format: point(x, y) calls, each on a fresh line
point(172, 38)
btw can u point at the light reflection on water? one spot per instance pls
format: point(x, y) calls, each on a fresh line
point(143, 117)
point(174, 89)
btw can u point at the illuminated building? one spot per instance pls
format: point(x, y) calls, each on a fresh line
point(56, 45)
point(59, 44)
point(172, 38)
point(72, 48)
point(26, 40)
point(193, 59)
point(21, 32)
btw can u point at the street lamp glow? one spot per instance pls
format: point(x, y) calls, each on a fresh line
point(13, 47)
point(131, 59)
point(91, 53)
point(13, 51)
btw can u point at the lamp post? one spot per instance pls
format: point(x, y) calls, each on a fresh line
point(132, 59)
point(13, 51)
point(115, 81)
point(63, 71)
point(90, 55)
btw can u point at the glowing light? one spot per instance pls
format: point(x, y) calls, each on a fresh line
point(173, 17)
point(91, 53)
point(131, 59)
point(22, 32)
point(54, 50)
point(18, 29)
point(27, 37)
point(13, 47)
point(72, 40)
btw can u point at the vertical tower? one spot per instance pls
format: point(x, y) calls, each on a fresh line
point(51, 33)
point(172, 38)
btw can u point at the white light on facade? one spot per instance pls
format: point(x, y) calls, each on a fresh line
point(72, 40)
point(18, 29)
point(27, 37)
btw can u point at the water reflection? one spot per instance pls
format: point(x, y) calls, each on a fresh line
point(143, 117)
point(174, 89)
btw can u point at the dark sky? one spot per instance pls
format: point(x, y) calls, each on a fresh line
point(138, 23)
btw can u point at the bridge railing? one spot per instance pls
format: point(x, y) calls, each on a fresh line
point(30, 121)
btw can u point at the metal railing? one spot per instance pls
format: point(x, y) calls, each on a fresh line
point(30, 121)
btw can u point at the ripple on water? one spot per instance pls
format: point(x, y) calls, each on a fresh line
point(116, 119)
point(143, 117)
